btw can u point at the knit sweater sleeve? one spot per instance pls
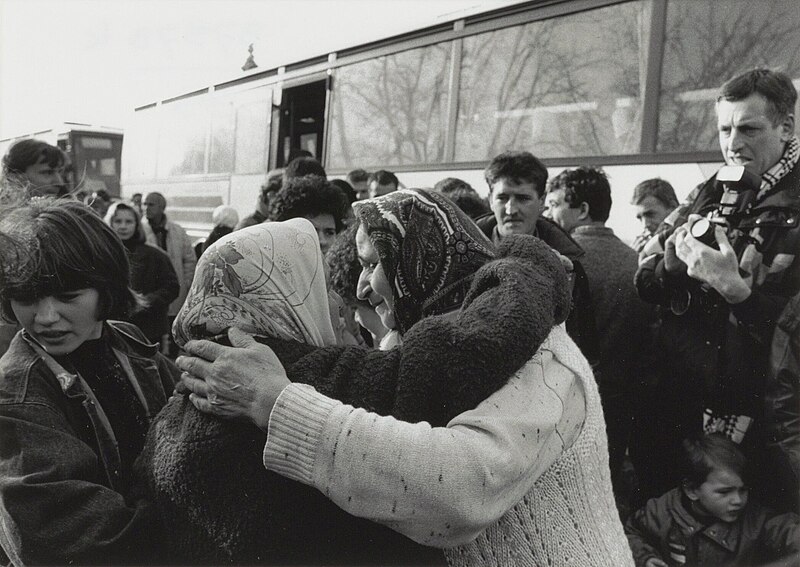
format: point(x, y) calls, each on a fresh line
point(440, 486)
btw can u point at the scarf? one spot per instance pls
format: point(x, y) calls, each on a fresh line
point(428, 247)
point(267, 280)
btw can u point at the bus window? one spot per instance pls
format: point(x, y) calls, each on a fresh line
point(252, 133)
point(391, 110)
point(302, 120)
point(222, 125)
point(707, 43)
point(182, 141)
point(141, 145)
point(566, 86)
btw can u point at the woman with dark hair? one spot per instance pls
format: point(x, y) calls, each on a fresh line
point(152, 274)
point(344, 269)
point(78, 389)
point(314, 198)
point(38, 166)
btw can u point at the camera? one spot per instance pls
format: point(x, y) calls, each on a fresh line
point(703, 230)
point(740, 187)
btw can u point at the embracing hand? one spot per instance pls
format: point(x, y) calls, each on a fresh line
point(238, 382)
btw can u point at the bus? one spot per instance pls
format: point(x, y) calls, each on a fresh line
point(94, 154)
point(628, 85)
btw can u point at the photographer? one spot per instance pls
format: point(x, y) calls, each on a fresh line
point(724, 274)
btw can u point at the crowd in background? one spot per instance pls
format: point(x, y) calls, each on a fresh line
point(690, 336)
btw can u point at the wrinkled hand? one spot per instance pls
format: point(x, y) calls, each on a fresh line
point(238, 382)
point(717, 268)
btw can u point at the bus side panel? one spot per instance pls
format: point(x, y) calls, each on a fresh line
point(189, 203)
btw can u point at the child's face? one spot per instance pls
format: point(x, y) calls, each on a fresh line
point(61, 323)
point(723, 495)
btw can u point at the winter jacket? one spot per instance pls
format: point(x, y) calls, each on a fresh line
point(718, 353)
point(665, 528)
point(60, 479)
point(782, 404)
point(153, 277)
point(181, 254)
point(581, 324)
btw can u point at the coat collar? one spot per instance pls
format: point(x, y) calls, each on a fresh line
point(722, 533)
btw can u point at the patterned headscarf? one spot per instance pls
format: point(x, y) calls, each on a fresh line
point(428, 247)
point(267, 280)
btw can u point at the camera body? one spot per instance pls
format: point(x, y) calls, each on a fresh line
point(739, 190)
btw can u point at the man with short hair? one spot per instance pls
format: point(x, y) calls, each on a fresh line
point(170, 237)
point(653, 200)
point(359, 180)
point(302, 166)
point(517, 182)
point(579, 201)
point(382, 182)
point(724, 288)
point(268, 190)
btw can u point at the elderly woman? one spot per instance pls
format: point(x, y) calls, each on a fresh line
point(502, 438)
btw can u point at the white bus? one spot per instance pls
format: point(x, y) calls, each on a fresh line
point(627, 85)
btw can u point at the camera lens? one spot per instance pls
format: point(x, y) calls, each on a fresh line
point(703, 230)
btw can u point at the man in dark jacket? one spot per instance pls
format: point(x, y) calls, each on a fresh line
point(724, 294)
point(782, 407)
point(517, 183)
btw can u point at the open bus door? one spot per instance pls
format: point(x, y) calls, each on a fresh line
point(301, 123)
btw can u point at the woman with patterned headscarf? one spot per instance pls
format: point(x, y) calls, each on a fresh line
point(472, 322)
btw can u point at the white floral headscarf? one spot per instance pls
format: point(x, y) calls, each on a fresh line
point(267, 280)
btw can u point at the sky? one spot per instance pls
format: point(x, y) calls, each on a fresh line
point(94, 61)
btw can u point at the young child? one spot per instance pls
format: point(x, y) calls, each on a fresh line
point(77, 393)
point(709, 520)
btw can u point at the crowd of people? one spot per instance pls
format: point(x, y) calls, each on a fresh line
point(360, 373)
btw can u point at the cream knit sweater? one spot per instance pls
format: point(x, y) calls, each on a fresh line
point(522, 479)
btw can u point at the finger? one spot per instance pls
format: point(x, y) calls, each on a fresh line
point(199, 367)
point(202, 404)
point(722, 240)
point(195, 385)
point(205, 349)
point(239, 338)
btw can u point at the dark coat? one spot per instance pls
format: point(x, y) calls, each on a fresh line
point(782, 405)
point(154, 278)
point(581, 324)
point(665, 527)
point(207, 476)
point(60, 499)
point(716, 355)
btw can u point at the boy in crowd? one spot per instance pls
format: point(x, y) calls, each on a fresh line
point(709, 519)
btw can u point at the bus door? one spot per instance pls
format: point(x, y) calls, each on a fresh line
point(302, 121)
point(96, 161)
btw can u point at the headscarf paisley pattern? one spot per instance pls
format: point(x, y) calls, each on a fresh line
point(428, 247)
point(267, 280)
